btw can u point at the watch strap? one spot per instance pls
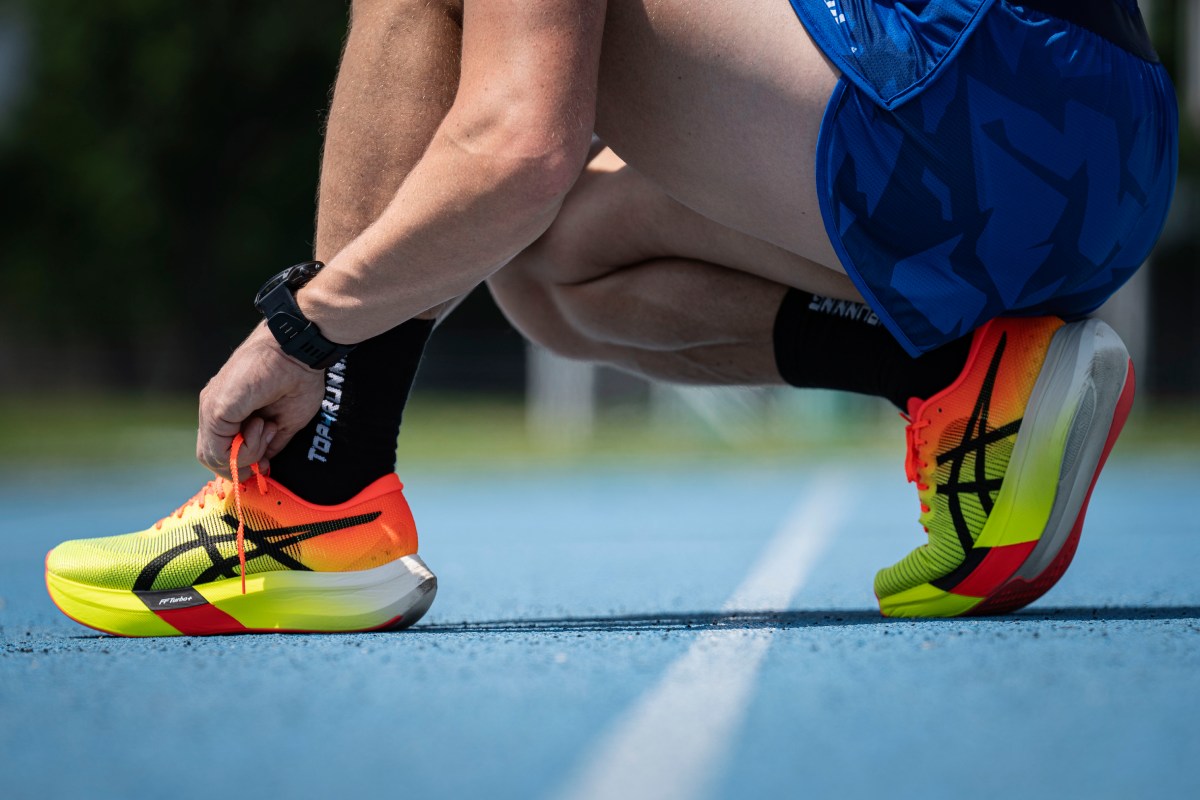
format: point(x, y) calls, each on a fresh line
point(298, 337)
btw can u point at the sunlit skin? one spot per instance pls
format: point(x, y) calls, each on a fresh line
point(447, 167)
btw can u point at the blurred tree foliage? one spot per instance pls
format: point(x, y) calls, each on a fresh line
point(160, 163)
point(162, 159)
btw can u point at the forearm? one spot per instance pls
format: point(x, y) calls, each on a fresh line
point(468, 207)
point(491, 180)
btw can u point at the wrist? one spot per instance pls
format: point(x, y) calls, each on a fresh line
point(261, 337)
point(330, 311)
point(297, 336)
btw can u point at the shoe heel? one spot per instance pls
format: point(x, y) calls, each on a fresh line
point(1025, 587)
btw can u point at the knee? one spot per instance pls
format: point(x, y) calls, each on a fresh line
point(537, 293)
point(548, 291)
point(533, 307)
point(580, 244)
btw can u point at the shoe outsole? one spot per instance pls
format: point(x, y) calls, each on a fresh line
point(1088, 371)
point(390, 597)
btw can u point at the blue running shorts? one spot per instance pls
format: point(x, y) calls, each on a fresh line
point(981, 158)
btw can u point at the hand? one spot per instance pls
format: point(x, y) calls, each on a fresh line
point(261, 393)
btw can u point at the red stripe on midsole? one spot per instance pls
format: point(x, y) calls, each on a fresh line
point(997, 566)
point(200, 620)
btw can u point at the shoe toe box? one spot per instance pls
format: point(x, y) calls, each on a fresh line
point(94, 562)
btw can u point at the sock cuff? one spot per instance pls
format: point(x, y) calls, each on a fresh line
point(786, 336)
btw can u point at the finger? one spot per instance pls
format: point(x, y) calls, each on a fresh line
point(289, 417)
point(252, 442)
point(214, 454)
point(279, 440)
point(213, 441)
point(212, 447)
point(269, 432)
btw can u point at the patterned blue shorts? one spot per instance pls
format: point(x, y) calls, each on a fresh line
point(987, 157)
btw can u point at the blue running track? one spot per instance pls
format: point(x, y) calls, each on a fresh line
point(691, 632)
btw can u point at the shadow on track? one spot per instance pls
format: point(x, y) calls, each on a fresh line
point(732, 620)
point(726, 620)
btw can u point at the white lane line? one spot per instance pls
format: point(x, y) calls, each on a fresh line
point(672, 744)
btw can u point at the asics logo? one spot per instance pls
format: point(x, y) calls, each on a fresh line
point(269, 542)
point(975, 441)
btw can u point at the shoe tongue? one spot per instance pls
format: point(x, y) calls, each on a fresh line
point(914, 405)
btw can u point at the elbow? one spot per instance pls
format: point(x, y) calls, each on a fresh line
point(534, 172)
point(533, 165)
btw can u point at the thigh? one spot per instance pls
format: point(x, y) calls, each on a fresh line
point(623, 257)
point(616, 218)
point(719, 105)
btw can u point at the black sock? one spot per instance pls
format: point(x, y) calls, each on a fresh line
point(352, 440)
point(822, 343)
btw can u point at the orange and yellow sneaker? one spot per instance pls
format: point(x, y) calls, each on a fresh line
point(1005, 460)
point(250, 557)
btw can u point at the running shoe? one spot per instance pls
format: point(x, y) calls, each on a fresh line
point(1005, 460)
point(247, 557)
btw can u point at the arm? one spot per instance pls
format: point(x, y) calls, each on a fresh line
point(490, 182)
point(492, 179)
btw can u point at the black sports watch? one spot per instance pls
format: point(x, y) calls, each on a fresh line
point(297, 336)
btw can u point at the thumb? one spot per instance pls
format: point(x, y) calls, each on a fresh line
point(254, 441)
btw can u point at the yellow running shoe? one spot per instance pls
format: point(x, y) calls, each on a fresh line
point(240, 558)
point(1005, 460)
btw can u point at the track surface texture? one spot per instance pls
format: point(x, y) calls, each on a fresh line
point(694, 632)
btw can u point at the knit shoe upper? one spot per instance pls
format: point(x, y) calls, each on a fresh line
point(959, 445)
point(198, 543)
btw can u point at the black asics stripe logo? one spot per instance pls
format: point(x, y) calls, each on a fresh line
point(976, 439)
point(258, 543)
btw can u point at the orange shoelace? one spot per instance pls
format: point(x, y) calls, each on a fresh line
point(237, 500)
point(912, 460)
point(220, 487)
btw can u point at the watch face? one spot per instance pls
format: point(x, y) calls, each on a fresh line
point(294, 276)
point(269, 285)
point(302, 273)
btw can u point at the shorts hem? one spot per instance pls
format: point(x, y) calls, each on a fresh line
point(825, 198)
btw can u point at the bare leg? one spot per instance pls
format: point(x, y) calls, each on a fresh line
point(397, 80)
point(719, 105)
point(733, 206)
point(675, 266)
point(678, 81)
point(629, 276)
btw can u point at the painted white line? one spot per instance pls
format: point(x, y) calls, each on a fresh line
point(672, 744)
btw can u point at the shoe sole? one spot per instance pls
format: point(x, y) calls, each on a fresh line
point(388, 597)
point(1076, 411)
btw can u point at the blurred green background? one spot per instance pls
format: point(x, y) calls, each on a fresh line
point(158, 161)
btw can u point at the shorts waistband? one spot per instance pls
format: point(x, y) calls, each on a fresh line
point(1112, 20)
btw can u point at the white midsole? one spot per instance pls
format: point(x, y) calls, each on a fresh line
point(404, 587)
point(1085, 371)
